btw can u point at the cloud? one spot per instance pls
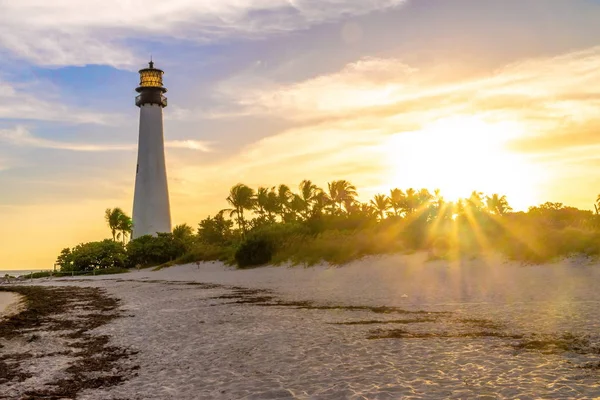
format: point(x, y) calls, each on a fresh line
point(20, 136)
point(72, 32)
point(17, 103)
point(366, 123)
point(366, 83)
point(545, 94)
point(189, 144)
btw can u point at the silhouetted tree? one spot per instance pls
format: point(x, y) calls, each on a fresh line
point(341, 192)
point(216, 230)
point(497, 204)
point(241, 197)
point(125, 227)
point(397, 201)
point(308, 193)
point(112, 217)
point(411, 201)
point(381, 203)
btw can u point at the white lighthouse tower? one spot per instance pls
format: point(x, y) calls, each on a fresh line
point(151, 209)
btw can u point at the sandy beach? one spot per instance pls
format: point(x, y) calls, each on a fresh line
point(381, 328)
point(9, 303)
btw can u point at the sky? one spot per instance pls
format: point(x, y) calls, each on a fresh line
point(496, 96)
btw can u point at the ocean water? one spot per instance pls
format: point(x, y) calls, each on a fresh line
point(16, 273)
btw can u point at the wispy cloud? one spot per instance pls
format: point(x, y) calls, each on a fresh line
point(17, 102)
point(543, 110)
point(189, 144)
point(365, 83)
point(71, 32)
point(20, 136)
point(548, 94)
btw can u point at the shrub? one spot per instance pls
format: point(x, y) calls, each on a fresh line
point(93, 255)
point(337, 247)
point(207, 252)
point(216, 230)
point(110, 271)
point(254, 251)
point(154, 250)
point(36, 275)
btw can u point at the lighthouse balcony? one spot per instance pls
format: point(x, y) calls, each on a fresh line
point(142, 99)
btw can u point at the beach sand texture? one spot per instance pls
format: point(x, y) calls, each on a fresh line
point(9, 303)
point(381, 328)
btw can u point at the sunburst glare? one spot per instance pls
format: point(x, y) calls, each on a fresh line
point(462, 154)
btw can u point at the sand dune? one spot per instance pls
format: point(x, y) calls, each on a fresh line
point(382, 328)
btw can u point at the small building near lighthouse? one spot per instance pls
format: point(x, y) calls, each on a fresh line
point(151, 208)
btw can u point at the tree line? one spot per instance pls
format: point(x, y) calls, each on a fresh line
point(313, 224)
point(281, 204)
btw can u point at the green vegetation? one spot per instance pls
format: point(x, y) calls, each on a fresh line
point(120, 224)
point(86, 257)
point(276, 225)
point(153, 250)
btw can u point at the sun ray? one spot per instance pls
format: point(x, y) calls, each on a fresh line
point(461, 153)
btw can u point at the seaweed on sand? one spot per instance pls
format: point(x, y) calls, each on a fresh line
point(404, 334)
point(384, 322)
point(95, 362)
point(552, 344)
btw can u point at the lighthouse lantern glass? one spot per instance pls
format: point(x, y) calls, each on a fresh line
point(151, 78)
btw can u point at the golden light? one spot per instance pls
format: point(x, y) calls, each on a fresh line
point(151, 77)
point(462, 154)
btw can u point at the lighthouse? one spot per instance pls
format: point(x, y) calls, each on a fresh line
point(151, 209)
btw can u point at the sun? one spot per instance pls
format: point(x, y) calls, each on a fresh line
point(460, 154)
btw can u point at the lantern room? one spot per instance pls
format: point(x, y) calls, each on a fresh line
point(151, 77)
point(151, 87)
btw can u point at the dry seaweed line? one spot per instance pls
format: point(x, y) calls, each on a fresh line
point(65, 315)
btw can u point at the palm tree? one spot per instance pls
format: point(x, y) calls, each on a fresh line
point(296, 207)
point(112, 217)
point(272, 205)
point(125, 226)
point(382, 203)
point(411, 201)
point(308, 192)
point(241, 197)
point(284, 196)
point(262, 198)
point(320, 202)
point(352, 206)
point(396, 199)
point(460, 208)
point(439, 208)
point(438, 199)
point(475, 201)
point(424, 197)
point(367, 210)
point(497, 204)
point(267, 204)
point(341, 192)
